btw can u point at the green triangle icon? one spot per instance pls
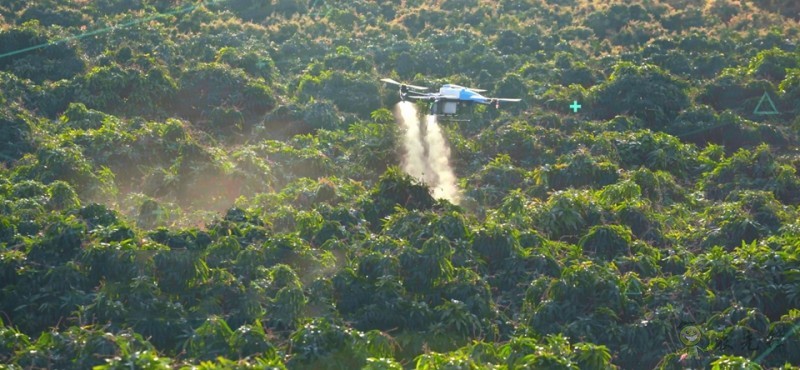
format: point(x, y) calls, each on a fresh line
point(771, 104)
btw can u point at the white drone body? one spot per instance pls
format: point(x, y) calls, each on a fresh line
point(449, 97)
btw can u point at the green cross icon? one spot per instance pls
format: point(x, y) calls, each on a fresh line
point(575, 106)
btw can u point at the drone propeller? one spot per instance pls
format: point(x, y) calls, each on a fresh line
point(393, 82)
point(468, 88)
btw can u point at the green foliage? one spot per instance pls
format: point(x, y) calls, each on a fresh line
point(61, 242)
point(54, 62)
point(210, 340)
point(584, 290)
point(350, 93)
point(567, 214)
point(141, 359)
point(659, 187)
point(614, 18)
point(495, 179)
point(63, 196)
point(791, 90)
point(11, 342)
point(397, 189)
point(645, 92)
point(85, 347)
point(734, 362)
point(757, 169)
point(521, 141)
point(578, 170)
point(102, 87)
point(382, 363)
point(772, 64)
point(210, 86)
point(256, 11)
point(736, 91)
point(215, 186)
point(286, 307)
point(657, 152)
point(49, 164)
point(592, 356)
point(606, 241)
point(77, 116)
point(551, 352)
point(255, 63)
point(495, 243)
point(322, 344)
point(15, 135)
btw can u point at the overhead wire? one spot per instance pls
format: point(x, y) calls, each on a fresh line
point(134, 22)
point(320, 6)
point(192, 7)
point(189, 8)
point(775, 345)
point(184, 9)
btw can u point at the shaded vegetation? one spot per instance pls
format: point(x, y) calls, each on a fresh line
point(218, 187)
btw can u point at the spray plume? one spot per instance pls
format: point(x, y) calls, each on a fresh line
point(439, 161)
point(427, 156)
point(414, 160)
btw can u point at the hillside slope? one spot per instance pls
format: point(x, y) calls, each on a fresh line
point(218, 184)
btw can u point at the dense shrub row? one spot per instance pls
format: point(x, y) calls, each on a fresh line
point(217, 187)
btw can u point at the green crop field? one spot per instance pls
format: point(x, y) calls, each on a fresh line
point(228, 184)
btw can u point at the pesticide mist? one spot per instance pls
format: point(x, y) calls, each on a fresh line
point(426, 155)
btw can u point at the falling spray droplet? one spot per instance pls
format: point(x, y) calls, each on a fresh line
point(414, 162)
point(439, 161)
point(427, 156)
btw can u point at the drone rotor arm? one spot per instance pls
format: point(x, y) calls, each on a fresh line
point(422, 96)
